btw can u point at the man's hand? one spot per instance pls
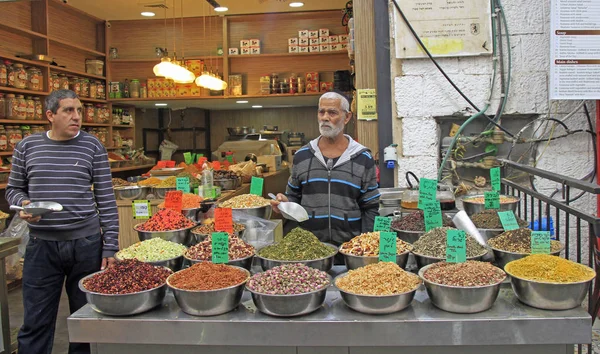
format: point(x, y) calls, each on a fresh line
point(107, 262)
point(26, 216)
point(280, 198)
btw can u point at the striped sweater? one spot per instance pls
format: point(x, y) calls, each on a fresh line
point(65, 172)
point(341, 199)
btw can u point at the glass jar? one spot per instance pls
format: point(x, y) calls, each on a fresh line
point(25, 131)
point(3, 139)
point(85, 87)
point(29, 108)
point(34, 79)
point(102, 135)
point(54, 82)
point(75, 85)
point(101, 90)
point(14, 136)
point(20, 76)
point(2, 106)
point(12, 106)
point(274, 86)
point(143, 91)
point(63, 82)
point(38, 113)
point(93, 89)
point(134, 88)
point(3, 74)
point(117, 140)
point(88, 113)
point(22, 107)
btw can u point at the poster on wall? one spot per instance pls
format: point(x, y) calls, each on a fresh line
point(574, 50)
point(367, 104)
point(447, 28)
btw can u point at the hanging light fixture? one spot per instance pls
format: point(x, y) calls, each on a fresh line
point(208, 79)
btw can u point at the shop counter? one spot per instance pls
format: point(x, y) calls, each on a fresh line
point(508, 327)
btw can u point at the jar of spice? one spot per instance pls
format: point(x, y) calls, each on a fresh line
point(3, 139)
point(54, 82)
point(14, 136)
point(34, 79)
point(29, 108)
point(2, 106)
point(293, 81)
point(75, 85)
point(134, 88)
point(88, 113)
point(93, 89)
point(12, 106)
point(85, 87)
point(103, 135)
point(38, 109)
point(21, 107)
point(25, 131)
point(3, 74)
point(100, 90)
point(20, 76)
point(63, 81)
point(143, 91)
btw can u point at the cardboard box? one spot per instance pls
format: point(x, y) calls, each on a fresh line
point(245, 51)
point(343, 38)
point(303, 41)
point(324, 40)
point(312, 87)
point(313, 34)
point(195, 90)
point(323, 32)
point(195, 66)
point(234, 51)
point(293, 41)
point(245, 43)
point(326, 86)
point(314, 48)
point(255, 43)
point(293, 49)
point(303, 33)
point(325, 47)
point(254, 50)
point(314, 41)
point(334, 39)
point(302, 49)
point(335, 47)
point(312, 76)
point(343, 46)
point(151, 83)
point(272, 161)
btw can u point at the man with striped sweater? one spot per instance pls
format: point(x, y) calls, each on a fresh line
point(334, 178)
point(68, 166)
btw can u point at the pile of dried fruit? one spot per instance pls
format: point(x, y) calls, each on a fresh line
point(367, 245)
point(166, 220)
point(203, 251)
point(380, 279)
point(188, 201)
point(467, 274)
point(153, 250)
point(288, 279)
point(245, 201)
point(126, 277)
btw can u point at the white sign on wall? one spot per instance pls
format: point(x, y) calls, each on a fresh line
point(448, 28)
point(575, 50)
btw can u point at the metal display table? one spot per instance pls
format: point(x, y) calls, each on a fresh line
point(509, 326)
point(8, 246)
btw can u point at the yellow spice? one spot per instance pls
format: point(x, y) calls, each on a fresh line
point(547, 268)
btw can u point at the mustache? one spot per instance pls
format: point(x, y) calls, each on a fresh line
point(325, 125)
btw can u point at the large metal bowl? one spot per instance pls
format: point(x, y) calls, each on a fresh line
point(473, 208)
point(376, 305)
point(325, 264)
point(354, 262)
point(460, 299)
point(123, 304)
point(408, 236)
point(131, 192)
point(423, 260)
point(504, 257)
point(226, 183)
point(263, 212)
point(161, 192)
point(245, 262)
point(489, 233)
point(181, 236)
point(192, 213)
point(289, 305)
point(209, 302)
point(549, 296)
point(172, 263)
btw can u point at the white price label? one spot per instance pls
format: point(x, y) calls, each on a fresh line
point(141, 209)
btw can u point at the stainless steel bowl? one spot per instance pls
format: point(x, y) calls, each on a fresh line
point(323, 264)
point(408, 236)
point(489, 233)
point(123, 304)
point(423, 260)
point(289, 305)
point(354, 262)
point(504, 257)
point(131, 192)
point(181, 236)
point(245, 262)
point(161, 193)
point(376, 305)
point(198, 237)
point(173, 264)
point(460, 299)
point(474, 208)
point(226, 183)
point(263, 212)
point(549, 296)
point(209, 302)
point(192, 214)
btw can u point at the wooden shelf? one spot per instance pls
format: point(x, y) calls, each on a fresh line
point(123, 126)
point(3, 185)
point(75, 72)
point(23, 121)
point(76, 47)
point(130, 168)
point(284, 55)
point(22, 32)
point(6, 153)
point(22, 92)
point(91, 100)
point(157, 60)
point(10, 57)
point(95, 125)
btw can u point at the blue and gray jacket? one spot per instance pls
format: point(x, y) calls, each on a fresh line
point(341, 199)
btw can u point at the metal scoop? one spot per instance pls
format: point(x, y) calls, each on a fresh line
point(463, 222)
point(39, 208)
point(291, 210)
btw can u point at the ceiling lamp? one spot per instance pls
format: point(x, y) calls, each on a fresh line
point(296, 4)
point(211, 82)
point(148, 14)
point(221, 9)
point(164, 67)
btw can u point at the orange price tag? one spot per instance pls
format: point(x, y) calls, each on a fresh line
point(161, 164)
point(223, 220)
point(216, 165)
point(170, 164)
point(173, 200)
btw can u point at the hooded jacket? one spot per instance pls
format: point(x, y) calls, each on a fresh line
point(341, 200)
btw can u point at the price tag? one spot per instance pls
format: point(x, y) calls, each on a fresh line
point(433, 215)
point(173, 200)
point(382, 223)
point(170, 164)
point(223, 220)
point(456, 246)
point(492, 200)
point(387, 246)
point(220, 247)
point(540, 242)
point(256, 186)
point(216, 165)
point(188, 157)
point(508, 220)
point(183, 184)
point(427, 191)
point(161, 164)
point(495, 178)
point(229, 158)
point(141, 209)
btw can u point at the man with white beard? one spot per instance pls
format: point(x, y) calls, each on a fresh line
point(334, 178)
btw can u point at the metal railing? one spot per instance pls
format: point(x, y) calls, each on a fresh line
point(570, 223)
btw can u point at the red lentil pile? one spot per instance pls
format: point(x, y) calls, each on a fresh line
point(127, 277)
point(467, 274)
point(207, 276)
point(237, 249)
point(166, 220)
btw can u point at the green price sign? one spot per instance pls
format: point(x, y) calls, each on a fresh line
point(183, 184)
point(256, 186)
point(427, 191)
point(220, 247)
point(209, 192)
point(188, 157)
point(495, 179)
point(508, 220)
point(433, 215)
point(387, 246)
point(382, 223)
point(229, 158)
point(492, 200)
point(540, 242)
point(456, 246)
point(141, 209)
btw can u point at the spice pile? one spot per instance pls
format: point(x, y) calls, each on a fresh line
point(194, 182)
point(169, 182)
point(433, 244)
point(207, 229)
point(119, 182)
point(298, 245)
point(551, 269)
point(481, 200)
point(380, 279)
point(153, 250)
point(165, 220)
point(416, 222)
point(220, 174)
point(489, 219)
point(203, 251)
point(467, 274)
point(245, 201)
point(288, 279)
point(3, 215)
point(188, 201)
point(518, 241)
point(150, 182)
point(126, 277)
point(207, 276)
point(367, 245)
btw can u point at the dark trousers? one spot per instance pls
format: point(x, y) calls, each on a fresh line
point(46, 265)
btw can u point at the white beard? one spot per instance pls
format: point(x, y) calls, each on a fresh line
point(331, 131)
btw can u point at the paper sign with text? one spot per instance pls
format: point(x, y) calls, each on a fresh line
point(220, 247)
point(540, 242)
point(161, 164)
point(223, 220)
point(495, 179)
point(387, 246)
point(170, 164)
point(188, 157)
point(382, 223)
point(183, 184)
point(508, 220)
point(456, 246)
point(433, 215)
point(256, 186)
point(173, 200)
point(141, 209)
point(492, 200)
point(427, 191)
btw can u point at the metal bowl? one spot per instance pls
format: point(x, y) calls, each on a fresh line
point(192, 213)
point(226, 183)
point(245, 262)
point(173, 264)
point(549, 296)
point(198, 237)
point(123, 304)
point(263, 212)
point(408, 236)
point(474, 208)
point(289, 305)
point(460, 299)
point(161, 192)
point(423, 261)
point(354, 262)
point(489, 233)
point(376, 305)
point(323, 264)
point(504, 257)
point(181, 236)
point(131, 192)
point(209, 302)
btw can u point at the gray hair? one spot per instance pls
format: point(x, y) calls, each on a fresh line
point(344, 104)
point(52, 102)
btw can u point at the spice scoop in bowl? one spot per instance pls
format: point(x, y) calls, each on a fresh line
point(39, 208)
point(290, 210)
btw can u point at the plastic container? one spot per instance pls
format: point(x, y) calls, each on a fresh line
point(75, 85)
point(25, 131)
point(89, 113)
point(94, 67)
point(39, 109)
point(134, 88)
point(2, 106)
point(21, 107)
point(54, 82)
point(12, 106)
point(35, 80)
point(19, 75)
point(63, 81)
point(29, 108)
point(100, 90)
point(143, 91)
point(85, 87)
